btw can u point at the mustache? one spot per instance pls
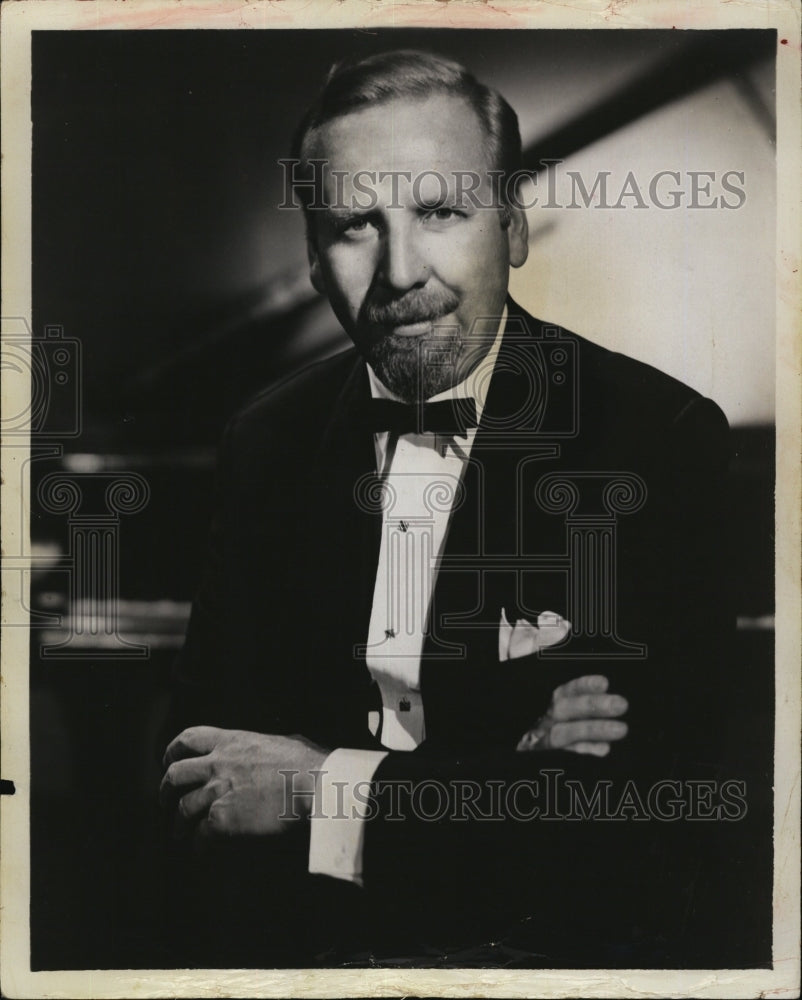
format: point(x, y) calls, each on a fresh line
point(413, 307)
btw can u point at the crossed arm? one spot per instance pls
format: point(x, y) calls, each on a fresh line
point(225, 782)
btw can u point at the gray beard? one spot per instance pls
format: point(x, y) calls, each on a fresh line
point(417, 368)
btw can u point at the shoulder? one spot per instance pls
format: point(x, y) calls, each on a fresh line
point(620, 397)
point(295, 409)
point(315, 386)
point(688, 430)
point(637, 389)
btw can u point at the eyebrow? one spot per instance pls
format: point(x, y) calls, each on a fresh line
point(450, 201)
point(339, 218)
point(338, 213)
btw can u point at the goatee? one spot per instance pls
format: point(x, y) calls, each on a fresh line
point(417, 368)
point(414, 367)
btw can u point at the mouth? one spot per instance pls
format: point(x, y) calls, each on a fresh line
point(415, 326)
point(418, 329)
point(413, 315)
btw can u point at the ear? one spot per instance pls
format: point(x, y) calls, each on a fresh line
point(315, 274)
point(517, 236)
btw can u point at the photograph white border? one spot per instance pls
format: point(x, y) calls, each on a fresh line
point(19, 18)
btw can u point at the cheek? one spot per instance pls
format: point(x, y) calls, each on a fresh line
point(475, 261)
point(348, 277)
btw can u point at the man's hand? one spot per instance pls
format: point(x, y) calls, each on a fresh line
point(582, 717)
point(228, 781)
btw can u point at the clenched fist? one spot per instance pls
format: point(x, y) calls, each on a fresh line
point(230, 782)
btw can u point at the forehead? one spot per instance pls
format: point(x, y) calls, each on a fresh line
point(441, 132)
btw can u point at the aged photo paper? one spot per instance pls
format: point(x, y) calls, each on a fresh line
point(255, 592)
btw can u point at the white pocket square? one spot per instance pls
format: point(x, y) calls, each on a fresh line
point(523, 638)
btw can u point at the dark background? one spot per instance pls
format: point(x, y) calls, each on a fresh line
point(159, 250)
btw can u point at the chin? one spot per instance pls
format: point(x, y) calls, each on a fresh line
point(402, 363)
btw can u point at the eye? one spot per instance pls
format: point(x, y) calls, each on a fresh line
point(443, 215)
point(355, 227)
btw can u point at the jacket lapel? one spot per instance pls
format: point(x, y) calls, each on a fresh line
point(344, 532)
point(469, 697)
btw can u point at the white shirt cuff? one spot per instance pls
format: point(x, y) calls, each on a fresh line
point(337, 833)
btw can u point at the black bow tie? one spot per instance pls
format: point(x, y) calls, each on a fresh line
point(447, 416)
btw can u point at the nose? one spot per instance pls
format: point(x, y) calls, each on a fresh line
point(402, 265)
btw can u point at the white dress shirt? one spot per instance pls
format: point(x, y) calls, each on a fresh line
point(421, 476)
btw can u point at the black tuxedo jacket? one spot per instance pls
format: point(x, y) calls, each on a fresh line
point(595, 489)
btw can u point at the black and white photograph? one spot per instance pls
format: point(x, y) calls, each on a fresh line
point(400, 442)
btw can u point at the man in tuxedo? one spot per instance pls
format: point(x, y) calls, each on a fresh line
point(470, 560)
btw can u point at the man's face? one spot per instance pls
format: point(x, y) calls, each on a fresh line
point(407, 263)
